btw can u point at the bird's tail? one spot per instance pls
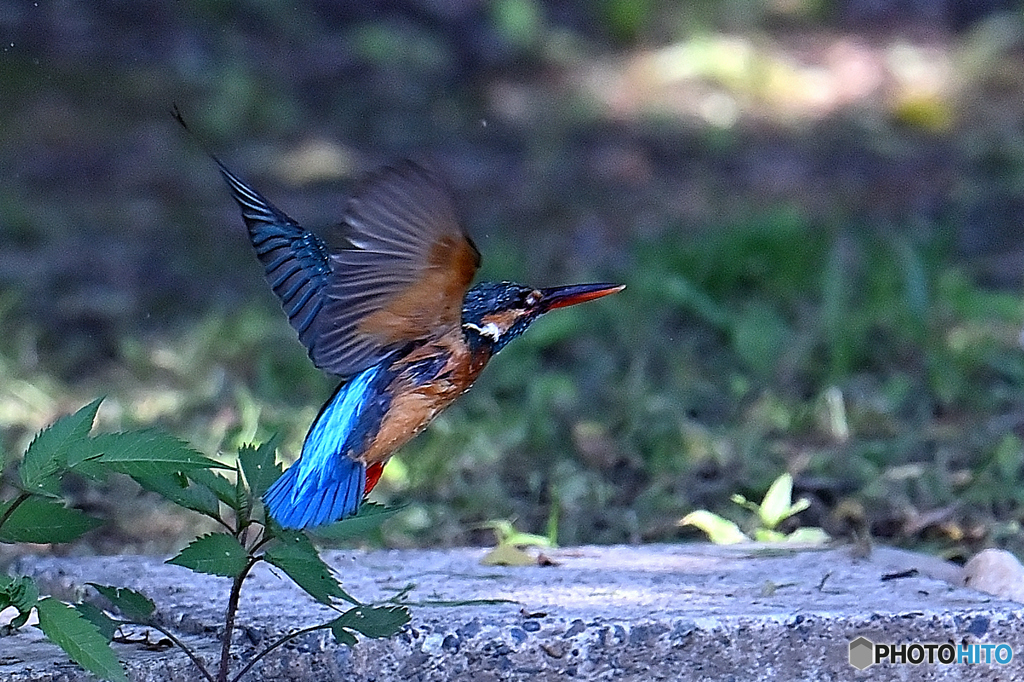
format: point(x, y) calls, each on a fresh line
point(327, 483)
point(303, 501)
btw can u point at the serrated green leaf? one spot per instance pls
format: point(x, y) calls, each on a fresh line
point(296, 556)
point(216, 554)
point(260, 466)
point(6, 504)
point(94, 614)
point(89, 467)
point(373, 621)
point(134, 605)
point(242, 500)
point(343, 636)
point(219, 485)
point(177, 488)
point(49, 450)
point(48, 486)
point(80, 639)
point(45, 521)
point(776, 503)
point(149, 453)
point(721, 531)
point(368, 519)
point(20, 592)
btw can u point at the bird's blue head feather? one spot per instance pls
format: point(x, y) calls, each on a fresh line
point(494, 313)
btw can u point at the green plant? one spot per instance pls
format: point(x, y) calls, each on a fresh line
point(169, 467)
point(776, 507)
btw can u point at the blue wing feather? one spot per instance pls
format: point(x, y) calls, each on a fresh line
point(328, 481)
point(296, 262)
point(400, 229)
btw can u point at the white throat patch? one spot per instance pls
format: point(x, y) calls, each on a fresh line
point(490, 330)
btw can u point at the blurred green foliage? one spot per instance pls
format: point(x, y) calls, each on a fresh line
point(709, 374)
point(840, 324)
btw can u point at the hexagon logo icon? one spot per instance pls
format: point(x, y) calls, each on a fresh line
point(862, 653)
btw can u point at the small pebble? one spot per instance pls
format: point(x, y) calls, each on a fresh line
point(996, 572)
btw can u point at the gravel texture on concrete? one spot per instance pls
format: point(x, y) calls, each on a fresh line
point(662, 612)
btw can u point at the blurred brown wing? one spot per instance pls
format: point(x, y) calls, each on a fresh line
point(404, 276)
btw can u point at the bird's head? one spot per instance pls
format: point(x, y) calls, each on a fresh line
point(494, 313)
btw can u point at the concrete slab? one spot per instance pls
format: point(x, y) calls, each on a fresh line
point(665, 612)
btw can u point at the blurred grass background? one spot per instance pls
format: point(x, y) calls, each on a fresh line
point(815, 204)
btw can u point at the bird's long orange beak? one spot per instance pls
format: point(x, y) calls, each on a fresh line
point(559, 297)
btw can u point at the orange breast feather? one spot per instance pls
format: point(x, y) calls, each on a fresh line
point(414, 406)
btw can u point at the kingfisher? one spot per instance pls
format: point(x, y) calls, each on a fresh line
point(383, 302)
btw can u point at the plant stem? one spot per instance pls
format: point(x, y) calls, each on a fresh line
point(284, 640)
point(229, 618)
point(178, 643)
point(14, 505)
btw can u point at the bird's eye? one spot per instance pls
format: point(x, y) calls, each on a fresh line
point(532, 298)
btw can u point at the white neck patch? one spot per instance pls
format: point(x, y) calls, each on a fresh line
point(490, 330)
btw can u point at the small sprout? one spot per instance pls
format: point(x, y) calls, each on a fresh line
point(721, 531)
point(776, 507)
point(511, 543)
